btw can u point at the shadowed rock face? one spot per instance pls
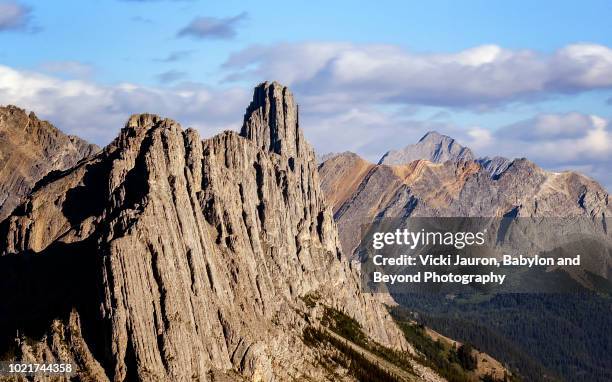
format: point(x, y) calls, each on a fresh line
point(434, 147)
point(494, 166)
point(360, 192)
point(271, 121)
point(29, 150)
point(186, 257)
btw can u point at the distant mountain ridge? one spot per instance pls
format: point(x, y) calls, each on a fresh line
point(433, 146)
point(363, 193)
point(168, 257)
point(438, 148)
point(29, 150)
point(443, 178)
point(495, 165)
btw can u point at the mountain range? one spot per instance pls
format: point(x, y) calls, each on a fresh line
point(166, 256)
point(439, 177)
point(551, 336)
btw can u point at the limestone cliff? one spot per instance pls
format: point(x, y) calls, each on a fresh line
point(29, 150)
point(168, 257)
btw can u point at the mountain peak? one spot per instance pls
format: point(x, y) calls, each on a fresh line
point(145, 121)
point(433, 136)
point(272, 121)
point(433, 146)
point(136, 128)
point(191, 250)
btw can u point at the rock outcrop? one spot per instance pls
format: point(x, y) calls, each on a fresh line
point(433, 146)
point(165, 257)
point(495, 166)
point(29, 150)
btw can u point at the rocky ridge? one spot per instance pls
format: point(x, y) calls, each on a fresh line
point(494, 166)
point(360, 192)
point(168, 257)
point(29, 150)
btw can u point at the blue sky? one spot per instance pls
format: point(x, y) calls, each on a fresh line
point(370, 76)
point(106, 32)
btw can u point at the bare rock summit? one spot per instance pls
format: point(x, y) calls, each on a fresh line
point(168, 257)
point(433, 146)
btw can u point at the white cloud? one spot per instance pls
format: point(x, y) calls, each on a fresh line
point(571, 141)
point(556, 139)
point(582, 66)
point(480, 138)
point(484, 75)
point(548, 127)
point(97, 112)
point(332, 121)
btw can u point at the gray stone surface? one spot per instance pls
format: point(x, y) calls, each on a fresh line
point(200, 251)
point(495, 166)
point(433, 147)
point(361, 192)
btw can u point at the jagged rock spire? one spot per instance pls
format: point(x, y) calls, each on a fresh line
point(271, 120)
point(190, 255)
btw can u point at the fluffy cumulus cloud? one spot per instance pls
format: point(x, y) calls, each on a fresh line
point(557, 141)
point(481, 76)
point(361, 98)
point(582, 66)
point(97, 112)
point(13, 16)
point(213, 27)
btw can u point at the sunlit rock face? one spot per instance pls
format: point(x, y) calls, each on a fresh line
point(169, 257)
point(360, 192)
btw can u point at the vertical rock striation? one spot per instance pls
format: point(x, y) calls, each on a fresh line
point(188, 257)
point(272, 122)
